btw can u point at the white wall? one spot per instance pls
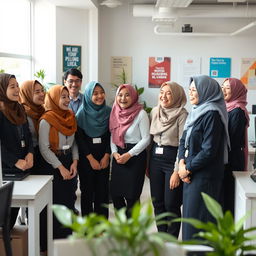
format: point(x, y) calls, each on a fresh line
point(123, 35)
point(55, 26)
point(71, 29)
point(44, 31)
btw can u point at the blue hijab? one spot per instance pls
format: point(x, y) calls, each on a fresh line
point(210, 98)
point(92, 118)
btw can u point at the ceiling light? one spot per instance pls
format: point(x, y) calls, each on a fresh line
point(111, 3)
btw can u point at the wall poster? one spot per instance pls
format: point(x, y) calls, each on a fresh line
point(188, 67)
point(121, 70)
point(159, 71)
point(248, 72)
point(71, 57)
point(220, 67)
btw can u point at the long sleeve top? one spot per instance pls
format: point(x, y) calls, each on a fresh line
point(11, 136)
point(205, 150)
point(44, 144)
point(32, 131)
point(236, 128)
point(137, 133)
point(172, 137)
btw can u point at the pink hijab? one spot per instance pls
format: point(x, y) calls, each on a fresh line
point(239, 100)
point(121, 119)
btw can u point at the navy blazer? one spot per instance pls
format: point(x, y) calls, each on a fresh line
point(11, 142)
point(205, 157)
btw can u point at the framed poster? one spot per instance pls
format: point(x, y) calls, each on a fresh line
point(248, 72)
point(220, 67)
point(188, 67)
point(159, 71)
point(121, 70)
point(71, 57)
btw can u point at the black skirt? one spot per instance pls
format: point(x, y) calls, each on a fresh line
point(127, 179)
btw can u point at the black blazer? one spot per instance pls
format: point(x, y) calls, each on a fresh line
point(236, 128)
point(11, 136)
point(205, 147)
point(86, 145)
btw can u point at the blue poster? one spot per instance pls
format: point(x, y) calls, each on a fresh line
point(220, 67)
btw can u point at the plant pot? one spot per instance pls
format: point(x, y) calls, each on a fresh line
point(80, 247)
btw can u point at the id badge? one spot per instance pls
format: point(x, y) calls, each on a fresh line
point(159, 150)
point(186, 153)
point(23, 144)
point(96, 140)
point(65, 147)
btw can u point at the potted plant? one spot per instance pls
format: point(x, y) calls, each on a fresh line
point(120, 236)
point(225, 237)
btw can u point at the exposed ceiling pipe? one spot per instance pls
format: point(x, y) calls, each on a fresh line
point(200, 11)
point(165, 30)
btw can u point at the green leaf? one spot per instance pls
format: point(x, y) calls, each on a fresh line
point(63, 214)
point(212, 206)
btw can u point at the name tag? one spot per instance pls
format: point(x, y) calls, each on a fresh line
point(65, 147)
point(96, 140)
point(23, 144)
point(159, 150)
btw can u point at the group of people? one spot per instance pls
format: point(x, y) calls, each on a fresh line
point(64, 133)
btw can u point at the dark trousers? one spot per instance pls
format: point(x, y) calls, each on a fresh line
point(128, 203)
point(164, 199)
point(64, 194)
point(94, 186)
point(193, 204)
point(228, 191)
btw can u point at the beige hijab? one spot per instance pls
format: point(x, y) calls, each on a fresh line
point(164, 121)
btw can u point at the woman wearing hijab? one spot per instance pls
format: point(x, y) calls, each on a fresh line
point(32, 95)
point(93, 139)
point(129, 127)
point(235, 96)
point(203, 150)
point(57, 145)
point(167, 122)
point(16, 143)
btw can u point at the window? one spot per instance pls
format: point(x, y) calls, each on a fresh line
point(15, 42)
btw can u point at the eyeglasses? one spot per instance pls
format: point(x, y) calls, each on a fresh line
point(76, 82)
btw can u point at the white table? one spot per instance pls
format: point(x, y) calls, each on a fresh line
point(35, 192)
point(245, 199)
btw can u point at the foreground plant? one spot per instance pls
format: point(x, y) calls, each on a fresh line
point(122, 236)
point(226, 237)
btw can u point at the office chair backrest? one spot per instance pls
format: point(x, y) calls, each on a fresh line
point(5, 201)
point(5, 214)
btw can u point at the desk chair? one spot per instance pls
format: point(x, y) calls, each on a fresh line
point(5, 212)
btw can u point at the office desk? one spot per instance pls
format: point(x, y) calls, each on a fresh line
point(35, 192)
point(245, 199)
point(251, 153)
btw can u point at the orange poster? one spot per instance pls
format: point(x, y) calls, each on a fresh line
point(248, 72)
point(159, 71)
